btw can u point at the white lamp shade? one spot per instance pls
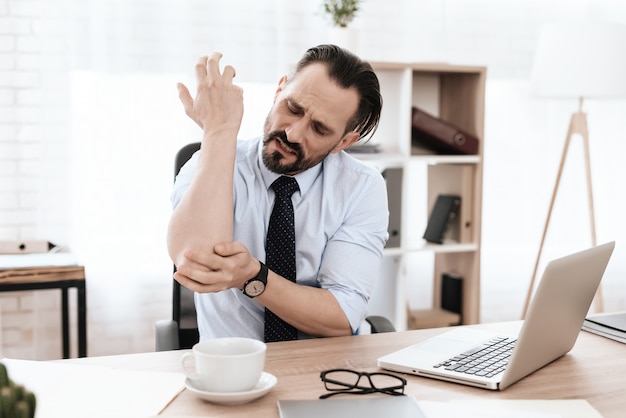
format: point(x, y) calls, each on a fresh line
point(580, 60)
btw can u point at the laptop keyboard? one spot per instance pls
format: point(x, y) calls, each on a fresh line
point(487, 359)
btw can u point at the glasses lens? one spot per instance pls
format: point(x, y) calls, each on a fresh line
point(341, 379)
point(386, 381)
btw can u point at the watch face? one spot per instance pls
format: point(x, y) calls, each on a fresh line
point(255, 288)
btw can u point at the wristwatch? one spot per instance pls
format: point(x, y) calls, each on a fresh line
point(256, 285)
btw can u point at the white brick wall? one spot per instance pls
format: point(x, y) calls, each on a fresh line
point(261, 38)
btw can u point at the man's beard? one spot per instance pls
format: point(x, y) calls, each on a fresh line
point(273, 161)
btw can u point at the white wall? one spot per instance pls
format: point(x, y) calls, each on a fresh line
point(57, 124)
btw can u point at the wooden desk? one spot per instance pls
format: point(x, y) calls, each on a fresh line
point(594, 370)
point(63, 278)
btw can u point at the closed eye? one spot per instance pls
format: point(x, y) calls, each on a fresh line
point(320, 128)
point(294, 108)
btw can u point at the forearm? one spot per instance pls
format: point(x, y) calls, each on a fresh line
point(312, 310)
point(204, 216)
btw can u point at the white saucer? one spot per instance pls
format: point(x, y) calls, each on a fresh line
point(266, 382)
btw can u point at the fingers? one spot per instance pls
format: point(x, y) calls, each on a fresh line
point(199, 286)
point(201, 259)
point(201, 69)
point(226, 249)
point(229, 267)
point(185, 97)
point(229, 73)
point(198, 273)
point(213, 66)
point(187, 101)
point(209, 68)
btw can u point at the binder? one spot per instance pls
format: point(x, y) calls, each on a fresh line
point(452, 292)
point(393, 178)
point(440, 136)
point(443, 213)
point(455, 179)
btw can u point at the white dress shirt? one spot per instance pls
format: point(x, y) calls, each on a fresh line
point(341, 218)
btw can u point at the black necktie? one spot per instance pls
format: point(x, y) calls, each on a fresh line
point(280, 250)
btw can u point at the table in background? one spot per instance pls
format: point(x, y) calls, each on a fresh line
point(591, 371)
point(55, 277)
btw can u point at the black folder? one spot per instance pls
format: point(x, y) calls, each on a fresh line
point(443, 213)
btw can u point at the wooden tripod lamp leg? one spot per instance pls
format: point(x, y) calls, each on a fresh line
point(598, 300)
point(578, 124)
point(531, 286)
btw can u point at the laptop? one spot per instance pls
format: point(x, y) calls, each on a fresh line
point(552, 324)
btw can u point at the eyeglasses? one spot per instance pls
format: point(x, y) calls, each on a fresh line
point(347, 381)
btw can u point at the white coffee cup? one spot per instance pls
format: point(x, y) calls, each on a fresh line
point(226, 365)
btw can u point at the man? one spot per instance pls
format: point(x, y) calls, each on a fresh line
point(340, 205)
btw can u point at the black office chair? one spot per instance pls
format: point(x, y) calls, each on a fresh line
point(181, 331)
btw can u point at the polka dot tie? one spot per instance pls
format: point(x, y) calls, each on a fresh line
point(280, 249)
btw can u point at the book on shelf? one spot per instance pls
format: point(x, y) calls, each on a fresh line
point(611, 325)
point(442, 215)
point(452, 292)
point(440, 136)
point(364, 149)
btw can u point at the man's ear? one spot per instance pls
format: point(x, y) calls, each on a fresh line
point(281, 85)
point(347, 140)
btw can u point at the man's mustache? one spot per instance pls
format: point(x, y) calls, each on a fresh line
point(282, 135)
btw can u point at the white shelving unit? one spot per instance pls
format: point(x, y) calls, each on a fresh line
point(455, 94)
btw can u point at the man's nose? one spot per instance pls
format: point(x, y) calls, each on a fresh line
point(296, 131)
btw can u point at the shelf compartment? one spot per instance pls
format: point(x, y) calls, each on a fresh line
point(432, 318)
point(456, 94)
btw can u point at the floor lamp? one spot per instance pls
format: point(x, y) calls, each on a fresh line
point(578, 61)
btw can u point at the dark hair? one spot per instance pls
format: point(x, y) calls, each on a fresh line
point(349, 71)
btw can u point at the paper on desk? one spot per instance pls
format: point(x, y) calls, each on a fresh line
point(75, 391)
point(12, 261)
point(509, 408)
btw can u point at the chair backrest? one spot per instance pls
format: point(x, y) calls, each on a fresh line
point(183, 307)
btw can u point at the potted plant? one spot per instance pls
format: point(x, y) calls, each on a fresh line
point(342, 13)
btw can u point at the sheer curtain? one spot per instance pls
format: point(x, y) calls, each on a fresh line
point(113, 123)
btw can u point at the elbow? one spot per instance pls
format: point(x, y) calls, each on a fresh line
point(176, 246)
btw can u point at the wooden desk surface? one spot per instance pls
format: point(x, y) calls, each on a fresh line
point(41, 274)
point(594, 370)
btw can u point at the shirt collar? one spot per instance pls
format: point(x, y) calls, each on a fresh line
point(305, 179)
